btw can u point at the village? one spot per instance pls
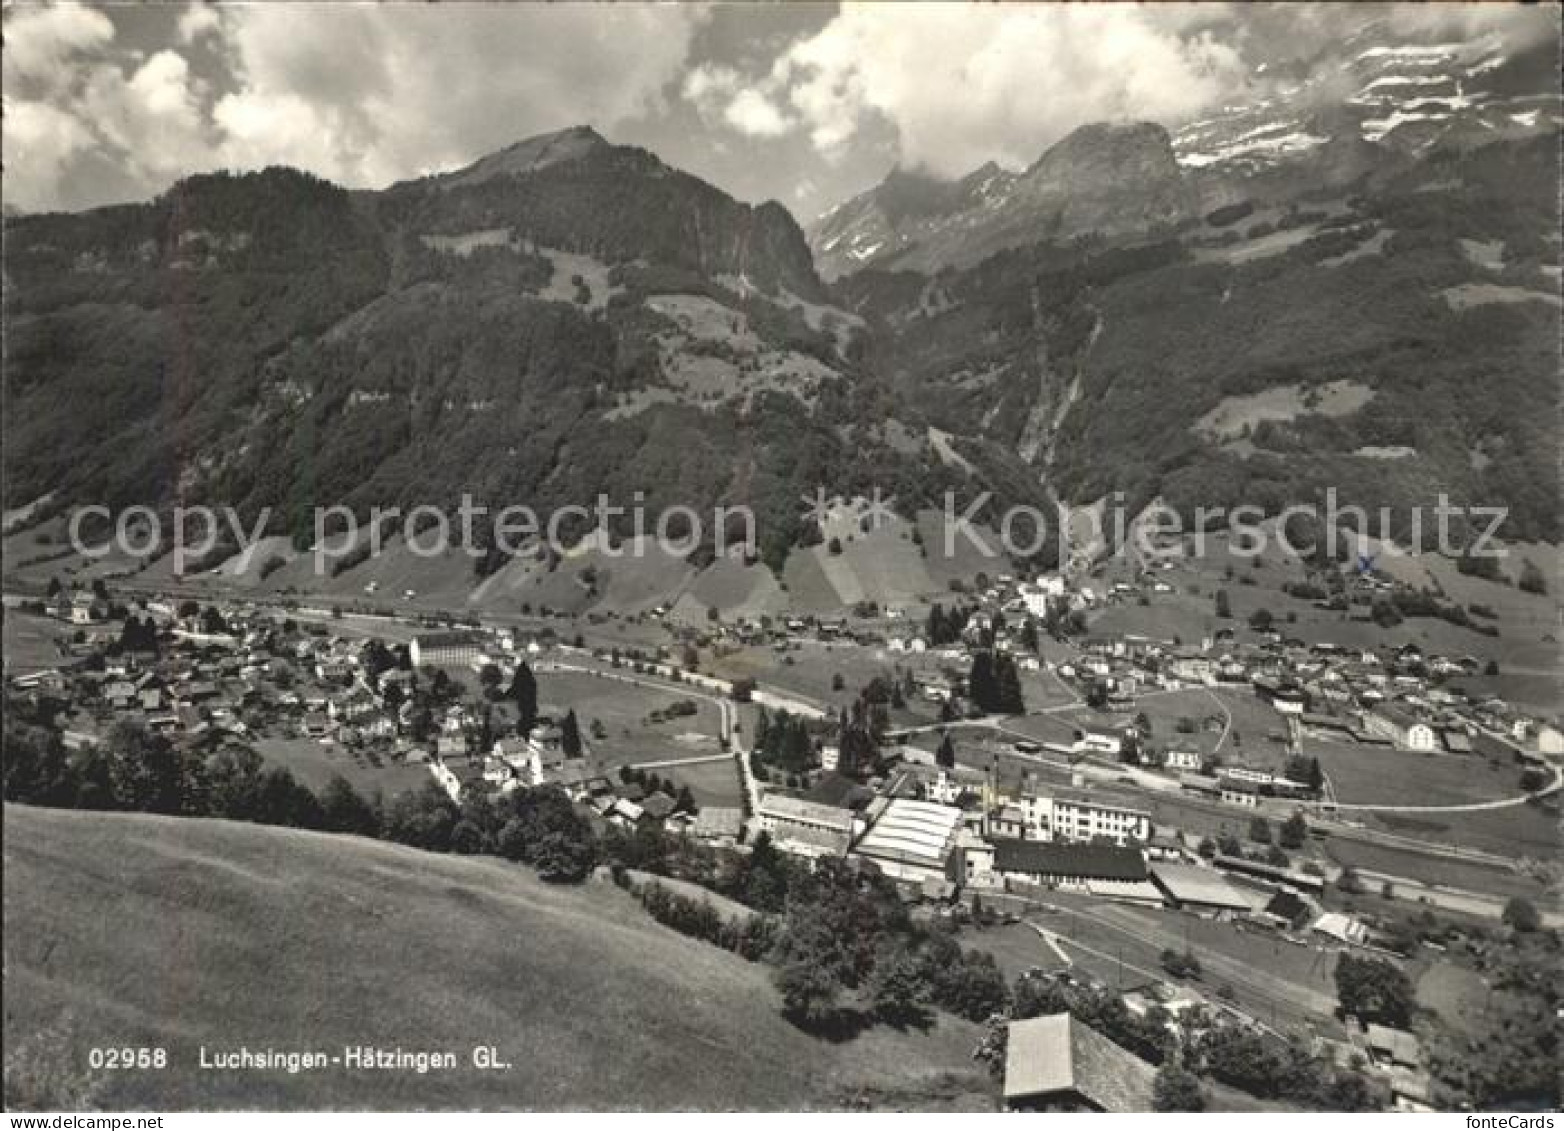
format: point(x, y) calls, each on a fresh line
point(1004, 767)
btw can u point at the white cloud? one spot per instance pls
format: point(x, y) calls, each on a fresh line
point(153, 117)
point(38, 143)
point(723, 97)
point(373, 94)
point(367, 94)
point(709, 86)
point(755, 115)
point(43, 42)
point(198, 20)
point(362, 94)
point(963, 85)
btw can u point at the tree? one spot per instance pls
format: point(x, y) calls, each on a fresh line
point(1245, 1060)
point(808, 991)
point(37, 770)
point(1180, 964)
point(993, 1045)
point(343, 810)
point(523, 692)
point(146, 773)
point(1521, 915)
point(1037, 996)
point(946, 754)
point(982, 688)
point(563, 856)
point(1373, 989)
point(570, 735)
point(280, 800)
point(971, 986)
point(1385, 613)
point(1008, 699)
point(423, 818)
point(1175, 1088)
point(1532, 578)
point(1294, 832)
point(898, 987)
point(1260, 830)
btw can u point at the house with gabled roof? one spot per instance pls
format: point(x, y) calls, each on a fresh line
point(1056, 1063)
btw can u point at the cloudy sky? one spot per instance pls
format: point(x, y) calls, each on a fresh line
point(806, 103)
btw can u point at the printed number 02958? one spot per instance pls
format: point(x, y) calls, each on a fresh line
point(127, 1057)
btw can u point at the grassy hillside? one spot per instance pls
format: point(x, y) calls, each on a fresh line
point(143, 930)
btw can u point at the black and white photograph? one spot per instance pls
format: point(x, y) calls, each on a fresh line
point(780, 557)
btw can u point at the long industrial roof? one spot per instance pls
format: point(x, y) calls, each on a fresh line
point(913, 830)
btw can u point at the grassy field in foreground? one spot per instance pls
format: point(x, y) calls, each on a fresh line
point(138, 930)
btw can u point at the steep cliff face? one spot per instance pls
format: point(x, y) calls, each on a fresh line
point(573, 191)
point(1107, 179)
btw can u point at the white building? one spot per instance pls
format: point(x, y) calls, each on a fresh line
point(1100, 742)
point(1037, 596)
point(444, 648)
point(1074, 816)
point(1401, 727)
point(1550, 740)
point(805, 828)
point(1240, 772)
point(914, 841)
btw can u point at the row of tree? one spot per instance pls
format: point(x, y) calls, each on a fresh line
point(134, 769)
point(994, 684)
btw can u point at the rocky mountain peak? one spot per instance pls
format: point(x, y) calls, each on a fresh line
point(1099, 144)
point(1109, 178)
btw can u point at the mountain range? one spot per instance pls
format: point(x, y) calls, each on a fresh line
point(1355, 285)
point(1373, 108)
